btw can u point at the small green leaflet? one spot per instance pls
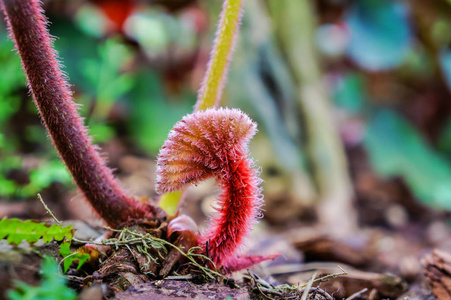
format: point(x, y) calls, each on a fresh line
point(15, 231)
point(69, 257)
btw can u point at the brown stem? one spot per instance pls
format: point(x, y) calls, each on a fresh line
point(53, 97)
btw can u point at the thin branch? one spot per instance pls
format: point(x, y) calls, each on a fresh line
point(307, 289)
point(355, 295)
point(319, 291)
point(49, 211)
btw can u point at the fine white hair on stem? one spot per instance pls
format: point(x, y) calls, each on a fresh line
point(222, 51)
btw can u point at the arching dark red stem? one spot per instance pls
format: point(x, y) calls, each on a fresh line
point(52, 96)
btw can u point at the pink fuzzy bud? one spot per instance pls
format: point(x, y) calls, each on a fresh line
point(214, 143)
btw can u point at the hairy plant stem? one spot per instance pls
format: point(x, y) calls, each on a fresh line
point(51, 93)
point(216, 75)
point(215, 78)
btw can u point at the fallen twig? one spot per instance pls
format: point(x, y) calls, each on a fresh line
point(355, 295)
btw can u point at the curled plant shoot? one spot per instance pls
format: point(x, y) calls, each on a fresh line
point(214, 143)
point(208, 143)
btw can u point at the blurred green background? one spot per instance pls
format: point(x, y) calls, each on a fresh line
point(347, 94)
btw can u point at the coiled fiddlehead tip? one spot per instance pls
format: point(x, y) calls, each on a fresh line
point(213, 143)
point(197, 146)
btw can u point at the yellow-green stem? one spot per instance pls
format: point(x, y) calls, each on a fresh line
point(169, 202)
point(215, 77)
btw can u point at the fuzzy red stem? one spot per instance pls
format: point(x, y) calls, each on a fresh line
point(53, 97)
point(239, 203)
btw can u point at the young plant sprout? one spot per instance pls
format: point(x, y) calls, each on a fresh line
point(213, 143)
point(208, 143)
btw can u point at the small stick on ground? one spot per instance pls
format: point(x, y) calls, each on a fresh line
point(317, 291)
point(355, 295)
point(307, 289)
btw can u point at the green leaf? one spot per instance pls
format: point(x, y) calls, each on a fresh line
point(15, 231)
point(396, 148)
point(148, 125)
point(53, 285)
point(69, 257)
point(49, 172)
point(380, 33)
point(444, 142)
point(350, 93)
